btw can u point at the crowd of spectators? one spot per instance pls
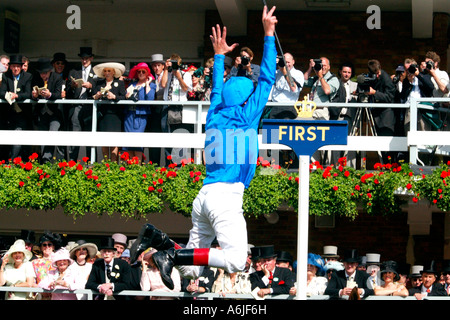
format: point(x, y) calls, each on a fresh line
point(171, 80)
point(53, 263)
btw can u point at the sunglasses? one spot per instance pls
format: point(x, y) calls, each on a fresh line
point(47, 245)
point(141, 71)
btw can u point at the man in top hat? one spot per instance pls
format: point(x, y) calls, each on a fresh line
point(59, 64)
point(415, 278)
point(15, 88)
point(109, 274)
point(120, 243)
point(157, 65)
point(372, 268)
point(446, 274)
point(330, 253)
point(80, 115)
point(47, 117)
point(284, 260)
point(429, 287)
point(271, 279)
point(341, 283)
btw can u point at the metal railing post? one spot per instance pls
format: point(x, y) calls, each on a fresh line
point(412, 128)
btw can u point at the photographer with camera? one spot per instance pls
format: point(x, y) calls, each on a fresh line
point(381, 89)
point(324, 85)
point(244, 67)
point(439, 78)
point(285, 89)
point(177, 83)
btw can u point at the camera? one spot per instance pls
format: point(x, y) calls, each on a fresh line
point(135, 95)
point(397, 77)
point(429, 64)
point(245, 61)
point(280, 61)
point(174, 66)
point(365, 81)
point(317, 64)
point(413, 68)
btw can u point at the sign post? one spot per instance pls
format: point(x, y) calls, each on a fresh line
point(304, 137)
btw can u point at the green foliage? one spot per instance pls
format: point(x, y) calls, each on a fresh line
point(135, 190)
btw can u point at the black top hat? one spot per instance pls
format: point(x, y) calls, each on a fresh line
point(44, 65)
point(85, 52)
point(403, 268)
point(446, 266)
point(430, 268)
point(351, 256)
point(107, 243)
point(27, 236)
point(59, 56)
point(267, 252)
point(390, 266)
point(256, 252)
point(284, 256)
point(16, 59)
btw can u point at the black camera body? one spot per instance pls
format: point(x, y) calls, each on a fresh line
point(174, 66)
point(245, 61)
point(413, 68)
point(317, 64)
point(429, 64)
point(397, 77)
point(280, 61)
point(365, 81)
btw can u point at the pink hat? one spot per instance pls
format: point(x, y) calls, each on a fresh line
point(139, 66)
point(61, 254)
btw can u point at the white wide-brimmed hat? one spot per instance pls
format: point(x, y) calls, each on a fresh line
point(61, 254)
point(119, 69)
point(19, 246)
point(91, 249)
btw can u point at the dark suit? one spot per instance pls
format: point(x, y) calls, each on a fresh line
point(74, 114)
point(14, 118)
point(120, 275)
point(338, 281)
point(384, 118)
point(49, 117)
point(110, 116)
point(437, 289)
point(283, 280)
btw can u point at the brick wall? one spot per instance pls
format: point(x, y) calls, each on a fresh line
point(341, 36)
point(387, 236)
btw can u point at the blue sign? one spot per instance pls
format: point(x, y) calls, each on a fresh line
point(304, 136)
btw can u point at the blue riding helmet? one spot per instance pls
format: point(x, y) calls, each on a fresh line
point(236, 91)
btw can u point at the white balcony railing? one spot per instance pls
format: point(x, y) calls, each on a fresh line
point(194, 112)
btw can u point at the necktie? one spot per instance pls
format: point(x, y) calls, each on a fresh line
point(270, 278)
point(108, 271)
point(428, 290)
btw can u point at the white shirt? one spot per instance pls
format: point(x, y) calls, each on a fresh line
point(443, 76)
point(281, 92)
point(177, 93)
point(415, 92)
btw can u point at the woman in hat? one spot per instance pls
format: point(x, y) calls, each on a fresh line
point(81, 254)
point(110, 87)
point(316, 284)
point(48, 243)
point(142, 87)
point(61, 277)
point(390, 285)
point(151, 278)
point(16, 270)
